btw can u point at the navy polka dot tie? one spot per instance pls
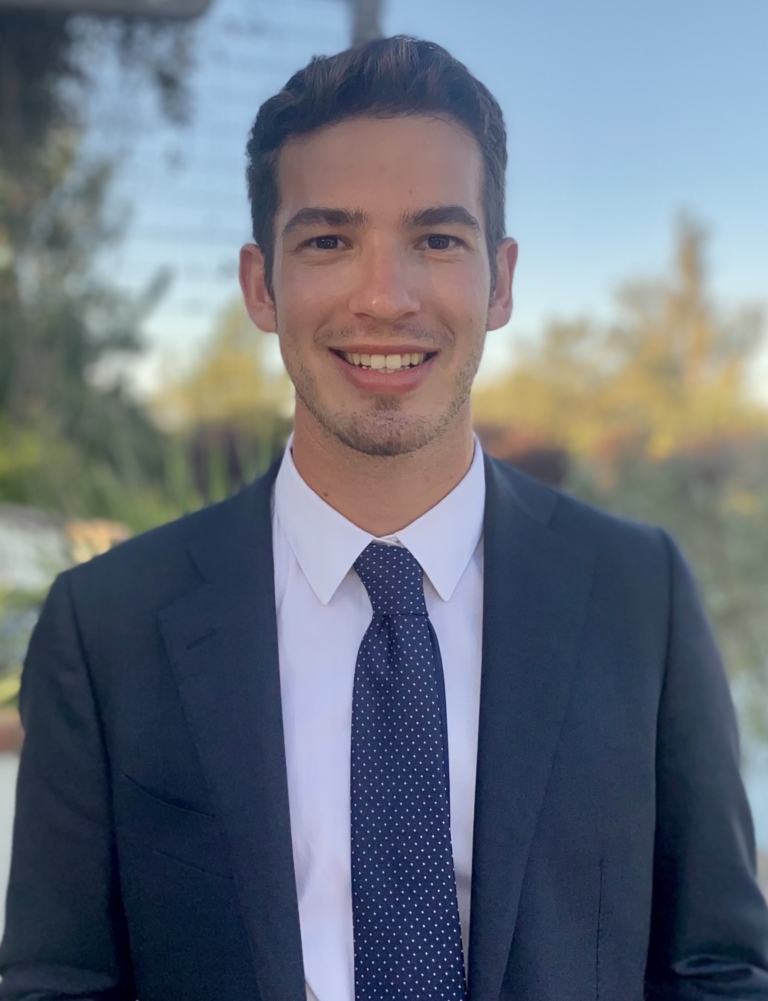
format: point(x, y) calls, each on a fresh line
point(406, 914)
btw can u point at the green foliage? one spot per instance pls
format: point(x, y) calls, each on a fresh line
point(655, 413)
point(230, 406)
point(714, 502)
point(58, 474)
point(669, 370)
point(230, 384)
point(18, 614)
point(65, 442)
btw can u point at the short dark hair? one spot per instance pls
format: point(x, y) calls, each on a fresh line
point(386, 78)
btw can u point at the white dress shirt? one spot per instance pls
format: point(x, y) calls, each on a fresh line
point(323, 610)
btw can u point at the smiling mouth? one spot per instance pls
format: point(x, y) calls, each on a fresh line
point(385, 363)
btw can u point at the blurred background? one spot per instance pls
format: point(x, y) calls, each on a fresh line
point(634, 372)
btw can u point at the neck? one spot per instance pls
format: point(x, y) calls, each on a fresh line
point(381, 494)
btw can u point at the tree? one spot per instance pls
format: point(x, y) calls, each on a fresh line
point(671, 370)
point(232, 407)
point(656, 411)
point(713, 499)
point(230, 383)
point(58, 316)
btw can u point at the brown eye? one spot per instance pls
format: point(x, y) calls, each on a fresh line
point(436, 242)
point(327, 242)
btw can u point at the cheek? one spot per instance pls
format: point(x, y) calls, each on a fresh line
point(305, 305)
point(464, 309)
point(463, 287)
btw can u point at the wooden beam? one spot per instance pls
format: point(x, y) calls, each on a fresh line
point(176, 9)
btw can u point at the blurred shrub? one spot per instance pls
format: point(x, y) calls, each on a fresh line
point(232, 405)
point(67, 442)
point(18, 614)
point(651, 416)
point(713, 499)
point(231, 382)
point(671, 369)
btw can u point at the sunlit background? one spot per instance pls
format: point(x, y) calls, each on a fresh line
point(634, 371)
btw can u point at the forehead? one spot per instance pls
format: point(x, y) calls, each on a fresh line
point(384, 166)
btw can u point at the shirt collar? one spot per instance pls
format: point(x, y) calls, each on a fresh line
point(326, 544)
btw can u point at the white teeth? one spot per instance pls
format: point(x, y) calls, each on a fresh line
point(383, 363)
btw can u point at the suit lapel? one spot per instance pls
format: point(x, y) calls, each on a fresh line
point(535, 597)
point(222, 641)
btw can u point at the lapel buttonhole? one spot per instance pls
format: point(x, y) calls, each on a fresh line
point(201, 639)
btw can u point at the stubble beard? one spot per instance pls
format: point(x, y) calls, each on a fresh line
point(383, 428)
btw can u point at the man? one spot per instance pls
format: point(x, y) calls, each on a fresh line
point(395, 722)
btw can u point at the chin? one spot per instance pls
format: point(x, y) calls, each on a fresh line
point(385, 433)
point(383, 428)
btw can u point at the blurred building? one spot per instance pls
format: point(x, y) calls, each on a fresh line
point(36, 546)
point(528, 452)
point(33, 548)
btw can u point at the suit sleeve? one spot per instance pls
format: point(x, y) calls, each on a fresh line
point(709, 936)
point(65, 933)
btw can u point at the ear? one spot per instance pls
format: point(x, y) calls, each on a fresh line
point(258, 301)
point(500, 308)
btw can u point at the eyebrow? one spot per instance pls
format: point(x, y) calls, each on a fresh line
point(439, 215)
point(321, 216)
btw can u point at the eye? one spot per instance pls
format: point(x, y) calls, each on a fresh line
point(436, 241)
point(325, 242)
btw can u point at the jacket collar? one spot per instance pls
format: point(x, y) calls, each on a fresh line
point(326, 544)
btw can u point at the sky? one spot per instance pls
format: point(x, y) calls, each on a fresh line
point(620, 115)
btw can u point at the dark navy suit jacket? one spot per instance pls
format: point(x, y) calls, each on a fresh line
point(613, 849)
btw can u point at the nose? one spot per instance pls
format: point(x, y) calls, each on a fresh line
point(385, 285)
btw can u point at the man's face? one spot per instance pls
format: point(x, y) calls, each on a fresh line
point(382, 283)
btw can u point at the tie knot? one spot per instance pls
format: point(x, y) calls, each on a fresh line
point(393, 579)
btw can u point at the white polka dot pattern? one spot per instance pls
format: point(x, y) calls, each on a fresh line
point(406, 916)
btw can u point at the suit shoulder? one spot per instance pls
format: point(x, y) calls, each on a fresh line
point(147, 572)
point(164, 550)
point(156, 551)
point(581, 522)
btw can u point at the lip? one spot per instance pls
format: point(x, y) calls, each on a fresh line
point(375, 381)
